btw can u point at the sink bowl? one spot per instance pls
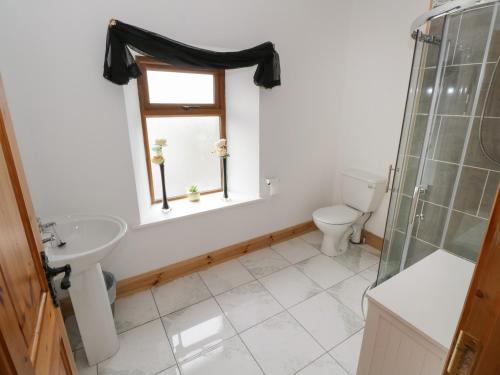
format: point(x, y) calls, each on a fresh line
point(89, 238)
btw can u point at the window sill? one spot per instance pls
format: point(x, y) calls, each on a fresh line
point(182, 208)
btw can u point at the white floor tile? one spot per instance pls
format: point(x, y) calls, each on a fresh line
point(370, 273)
point(247, 305)
point(143, 350)
point(324, 271)
point(295, 250)
point(328, 321)
point(324, 365)
point(197, 328)
point(134, 310)
point(228, 358)
point(171, 371)
point(347, 353)
point(281, 346)
point(263, 262)
point(82, 365)
point(370, 249)
point(225, 276)
point(180, 293)
point(290, 286)
point(357, 259)
point(313, 238)
point(350, 292)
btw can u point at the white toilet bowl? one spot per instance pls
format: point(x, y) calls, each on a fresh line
point(336, 224)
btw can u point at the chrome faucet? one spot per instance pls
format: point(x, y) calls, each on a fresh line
point(49, 229)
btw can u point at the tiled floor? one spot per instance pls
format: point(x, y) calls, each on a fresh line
point(283, 310)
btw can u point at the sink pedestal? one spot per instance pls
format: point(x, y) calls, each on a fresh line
point(93, 314)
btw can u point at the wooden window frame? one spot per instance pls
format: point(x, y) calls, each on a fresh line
point(218, 109)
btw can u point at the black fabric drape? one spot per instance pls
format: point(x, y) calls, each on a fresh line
point(119, 64)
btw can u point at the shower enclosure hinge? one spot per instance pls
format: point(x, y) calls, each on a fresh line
point(426, 38)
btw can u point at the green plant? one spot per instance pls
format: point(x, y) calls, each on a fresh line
point(193, 189)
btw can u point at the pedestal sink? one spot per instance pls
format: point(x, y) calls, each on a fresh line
point(89, 238)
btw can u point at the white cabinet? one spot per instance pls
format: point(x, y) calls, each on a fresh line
point(412, 317)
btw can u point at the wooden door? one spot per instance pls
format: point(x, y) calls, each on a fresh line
point(476, 345)
point(33, 340)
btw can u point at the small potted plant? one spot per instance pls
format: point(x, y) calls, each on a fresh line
point(193, 194)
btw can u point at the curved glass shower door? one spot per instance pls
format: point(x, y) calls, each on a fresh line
point(443, 185)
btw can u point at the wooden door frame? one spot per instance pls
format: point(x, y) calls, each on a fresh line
point(13, 361)
point(480, 318)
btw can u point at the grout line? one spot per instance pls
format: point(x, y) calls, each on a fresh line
point(323, 290)
point(475, 101)
point(341, 343)
point(237, 334)
point(310, 363)
point(299, 323)
point(428, 243)
point(419, 239)
point(338, 363)
point(457, 37)
point(211, 347)
point(445, 207)
point(185, 307)
point(436, 139)
point(166, 334)
point(482, 193)
point(433, 67)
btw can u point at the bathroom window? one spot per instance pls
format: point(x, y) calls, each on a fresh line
point(187, 107)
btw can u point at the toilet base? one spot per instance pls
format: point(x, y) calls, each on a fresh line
point(332, 247)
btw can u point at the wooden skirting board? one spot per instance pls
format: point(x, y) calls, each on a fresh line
point(373, 240)
point(168, 273)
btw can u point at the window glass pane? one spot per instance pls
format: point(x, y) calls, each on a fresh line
point(189, 159)
point(180, 88)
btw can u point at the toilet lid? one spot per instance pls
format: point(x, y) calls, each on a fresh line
point(336, 215)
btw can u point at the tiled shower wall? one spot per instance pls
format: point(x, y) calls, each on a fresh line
point(436, 3)
point(450, 160)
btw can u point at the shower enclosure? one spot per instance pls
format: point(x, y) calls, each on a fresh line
point(448, 164)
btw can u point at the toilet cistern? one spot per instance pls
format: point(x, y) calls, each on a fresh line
point(362, 193)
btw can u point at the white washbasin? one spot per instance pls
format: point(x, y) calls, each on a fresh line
point(89, 238)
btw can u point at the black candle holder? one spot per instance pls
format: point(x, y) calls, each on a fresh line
point(165, 207)
point(224, 177)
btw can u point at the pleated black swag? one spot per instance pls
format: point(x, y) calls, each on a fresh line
point(119, 64)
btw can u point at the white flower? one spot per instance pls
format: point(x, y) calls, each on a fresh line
point(221, 147)
point(221, 143)
point(157, 150)
point(157, 159)
point(161, 142)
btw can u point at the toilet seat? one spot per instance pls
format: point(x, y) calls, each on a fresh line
point(336, 215)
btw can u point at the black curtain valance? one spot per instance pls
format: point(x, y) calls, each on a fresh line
point(119, 64)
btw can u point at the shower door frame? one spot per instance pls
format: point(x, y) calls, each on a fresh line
point(419, 187)
point(443, 11)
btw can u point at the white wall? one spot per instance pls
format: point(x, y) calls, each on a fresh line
point(71, 123)
point(376, 81)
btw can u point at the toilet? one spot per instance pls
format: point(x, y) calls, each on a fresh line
point(362, 193)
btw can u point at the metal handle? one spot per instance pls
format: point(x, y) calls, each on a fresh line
point(189, 107)
point(414, 202)
point(50, 273)
point(389, 173)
